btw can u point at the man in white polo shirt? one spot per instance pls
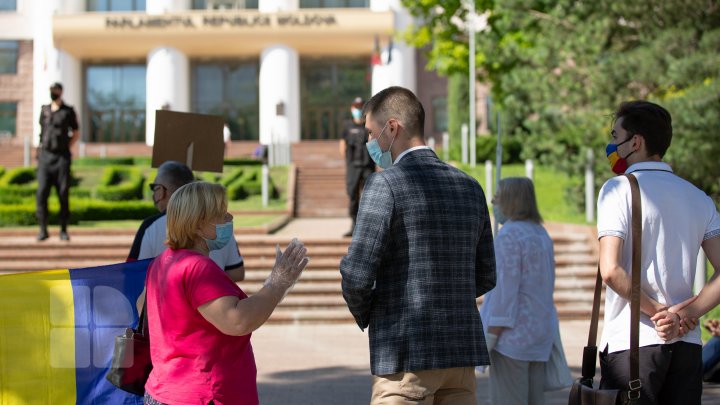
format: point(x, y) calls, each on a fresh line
point(677, 220)
point(150, 238)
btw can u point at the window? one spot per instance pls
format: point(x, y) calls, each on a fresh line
point(229, 89)
point(327, 87)
point(440, 115)
point(115, 5)
point(8, 119)
point(8, 56)
point(115, 103)
point(8, 5)
point(224, 4)
point(334, 3)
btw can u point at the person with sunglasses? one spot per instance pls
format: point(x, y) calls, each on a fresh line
point(150, 238)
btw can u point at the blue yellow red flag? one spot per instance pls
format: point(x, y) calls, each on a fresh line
point(57, 333)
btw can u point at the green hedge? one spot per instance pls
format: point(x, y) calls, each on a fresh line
point(121, 183)
point(80, 210)
point(2, 171)
point(242, 162)
point(249, 183)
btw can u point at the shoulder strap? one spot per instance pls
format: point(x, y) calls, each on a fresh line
point(635, 383)
point(590, 351)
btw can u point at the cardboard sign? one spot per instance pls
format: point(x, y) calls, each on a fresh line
point(193, 139)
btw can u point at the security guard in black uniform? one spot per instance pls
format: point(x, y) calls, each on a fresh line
point(59, 132)
point(358, 163)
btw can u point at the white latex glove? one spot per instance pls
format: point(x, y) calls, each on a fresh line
point(288, 266)
point(490, 341)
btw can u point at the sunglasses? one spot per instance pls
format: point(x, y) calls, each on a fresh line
point(155, 186)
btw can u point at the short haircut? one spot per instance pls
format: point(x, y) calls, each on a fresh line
point(649, 120)
point(175, 174)
point(516, 197)
point(398, 103)
point(56, 86)
point(190, 207)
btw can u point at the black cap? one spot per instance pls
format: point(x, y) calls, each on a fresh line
point(358, 101)
point(56, 86)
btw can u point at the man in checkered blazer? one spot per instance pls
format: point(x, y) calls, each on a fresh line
point(421, 253)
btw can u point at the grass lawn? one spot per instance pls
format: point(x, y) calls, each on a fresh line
point(550, 186)
point(714, 313)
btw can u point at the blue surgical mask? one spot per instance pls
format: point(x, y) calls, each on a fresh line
point(223, 234)
point(356, 113)
point(382, 159)
point(500, 218)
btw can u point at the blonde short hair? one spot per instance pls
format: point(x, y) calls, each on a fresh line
point(190, 207)
point(516, 198)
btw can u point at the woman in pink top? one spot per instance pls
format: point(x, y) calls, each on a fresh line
point(200, 321)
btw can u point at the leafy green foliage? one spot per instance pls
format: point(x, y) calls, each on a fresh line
point(559, 68)
point(82, 210)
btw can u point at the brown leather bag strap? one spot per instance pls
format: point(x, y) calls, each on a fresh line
point(635, 383)
point(590, 351)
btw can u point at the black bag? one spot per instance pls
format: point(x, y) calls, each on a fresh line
point(582, 391)
point(131, 363)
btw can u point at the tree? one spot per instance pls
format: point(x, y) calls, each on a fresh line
point(559, 68)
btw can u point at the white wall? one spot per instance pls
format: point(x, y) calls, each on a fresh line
point(401, 70)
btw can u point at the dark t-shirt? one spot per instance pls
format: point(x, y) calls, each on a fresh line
point(55, 128)
point(356, 154)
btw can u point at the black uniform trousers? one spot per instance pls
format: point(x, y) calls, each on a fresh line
point(355, 181)
point(670, 374)
point(53, 170)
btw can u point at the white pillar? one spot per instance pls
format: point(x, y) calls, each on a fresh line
point(167, 83)
point(401, 69)
point(164, 6)
point(272, 6)
point(279, 85)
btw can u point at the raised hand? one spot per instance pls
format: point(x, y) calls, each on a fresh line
point(288, 265)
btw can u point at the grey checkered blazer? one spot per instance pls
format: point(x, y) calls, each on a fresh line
point(422, 251)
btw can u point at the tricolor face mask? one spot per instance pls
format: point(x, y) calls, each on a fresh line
point(617, 164)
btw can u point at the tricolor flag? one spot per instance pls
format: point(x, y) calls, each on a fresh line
point(375, 58)
point(57, 332)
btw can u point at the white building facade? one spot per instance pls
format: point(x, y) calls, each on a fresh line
point(275, 70)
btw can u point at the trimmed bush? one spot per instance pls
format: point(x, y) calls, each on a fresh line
point(98, 161)
point(242, 162)
point(2, 171)
point(80, 210)
point(121, 183)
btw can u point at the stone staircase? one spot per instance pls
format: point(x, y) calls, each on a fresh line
point(317, 297)
point(320, 180)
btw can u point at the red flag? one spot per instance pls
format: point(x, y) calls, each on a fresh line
point(375, 58)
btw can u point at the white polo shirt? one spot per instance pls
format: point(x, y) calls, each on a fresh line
point(676, 218)
point(153, 243)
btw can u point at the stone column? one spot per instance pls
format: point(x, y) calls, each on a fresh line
point(52, 64)
point(401, 69)
point(167, 85)
point(279, 95)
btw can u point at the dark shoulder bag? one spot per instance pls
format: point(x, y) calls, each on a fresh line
point(131, 363)
point(582, 391)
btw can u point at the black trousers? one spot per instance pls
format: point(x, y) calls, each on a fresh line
point(670, 374)
point(53, 170)
point(355, 181)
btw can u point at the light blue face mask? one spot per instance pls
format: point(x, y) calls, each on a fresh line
point(382, 159)
point(356, 113)
point(223, 234)
point(499, 216)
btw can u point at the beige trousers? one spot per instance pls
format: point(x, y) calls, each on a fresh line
point(446, 386)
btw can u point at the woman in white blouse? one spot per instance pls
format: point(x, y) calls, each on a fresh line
point(519, 314)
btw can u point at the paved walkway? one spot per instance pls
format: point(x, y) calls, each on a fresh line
point(329, 364)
